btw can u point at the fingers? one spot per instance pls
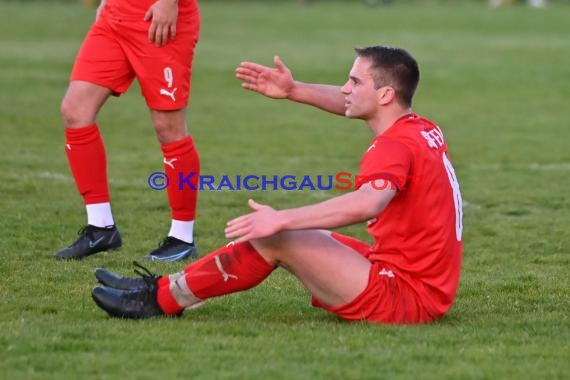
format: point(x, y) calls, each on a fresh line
point(148, 15)
point(159, 32)
point(238, 227)
point(242, 239)
point(237, 220)
point(246, 75)
point(162, 36)
point(254, 205)
point(242, 233)
point(241, 225)
point(159, 35)
point(233, 233)
point(256, 67)
point(250, 87)
point(151, 32)
point(245, 72)
point(249, 79)
point(279, 65)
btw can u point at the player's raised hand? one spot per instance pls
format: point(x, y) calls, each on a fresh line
point(163, 15)
point(263, 222)
point(275, 82)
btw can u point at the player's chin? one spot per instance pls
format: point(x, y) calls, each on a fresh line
point(351, 114)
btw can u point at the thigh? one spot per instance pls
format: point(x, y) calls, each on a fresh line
point(164, 73)
point(333, 272)
point(102, 61)
point(358, 245)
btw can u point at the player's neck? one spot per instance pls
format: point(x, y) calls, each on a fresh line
point(386, 119)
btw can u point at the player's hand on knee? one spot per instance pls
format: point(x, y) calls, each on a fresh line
point(263, 222)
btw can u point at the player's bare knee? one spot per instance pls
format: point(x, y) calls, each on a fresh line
point(270, 242)
point(275, 248)
point(69, 112)
point(170, 126)
point(74, 115)
point(268, 248)
point(168, 133)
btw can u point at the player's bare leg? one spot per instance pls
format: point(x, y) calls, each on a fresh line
point(82, 103)
point(88, 162)
point(182, 167)
point(333, 272)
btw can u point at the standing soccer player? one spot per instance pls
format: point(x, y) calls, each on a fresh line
point(407, 194)
point(153, 41)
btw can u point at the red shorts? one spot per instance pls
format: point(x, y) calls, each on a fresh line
point(116, 50)
point(386, 299)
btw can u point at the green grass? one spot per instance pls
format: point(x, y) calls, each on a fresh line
point(496, 80)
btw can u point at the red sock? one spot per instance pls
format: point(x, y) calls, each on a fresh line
point(229, 269)
point(88, 163)
point(181, 160)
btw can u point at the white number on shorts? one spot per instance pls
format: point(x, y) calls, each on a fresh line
point(457, 200)
point(168, 76)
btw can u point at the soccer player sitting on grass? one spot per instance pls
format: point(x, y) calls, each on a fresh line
point(411, 272)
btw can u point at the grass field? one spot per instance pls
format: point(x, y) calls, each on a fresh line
point(496, 80)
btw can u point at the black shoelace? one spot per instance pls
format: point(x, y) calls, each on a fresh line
point(166, 242)
point(148, 277)
point(82, 230)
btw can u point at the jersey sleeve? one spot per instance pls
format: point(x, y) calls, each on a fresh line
point(386, 161)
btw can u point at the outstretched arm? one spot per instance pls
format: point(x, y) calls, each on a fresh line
point(278, 83)
point(357, 206)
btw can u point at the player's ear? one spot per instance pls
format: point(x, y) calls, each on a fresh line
point(386, 95)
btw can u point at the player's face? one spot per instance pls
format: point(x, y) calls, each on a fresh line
point(361, 98)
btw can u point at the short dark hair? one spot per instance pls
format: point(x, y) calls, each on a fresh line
point(394, 67)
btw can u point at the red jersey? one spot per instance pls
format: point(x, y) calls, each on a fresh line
point(418, 235)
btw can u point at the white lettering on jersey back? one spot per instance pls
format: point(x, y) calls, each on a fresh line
point(434, 138)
